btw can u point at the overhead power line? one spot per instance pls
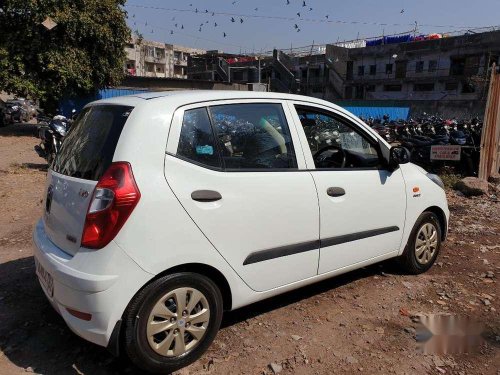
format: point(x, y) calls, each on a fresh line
point(148, 25)
point(303, 19)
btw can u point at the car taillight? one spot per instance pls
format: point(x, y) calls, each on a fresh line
point(115, 197)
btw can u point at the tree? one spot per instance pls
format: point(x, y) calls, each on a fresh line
point(84, 52)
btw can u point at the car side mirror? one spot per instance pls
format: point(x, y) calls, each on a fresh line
point(399, 155)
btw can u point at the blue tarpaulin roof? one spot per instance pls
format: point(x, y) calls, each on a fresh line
point(68, 104)
point(395, 113)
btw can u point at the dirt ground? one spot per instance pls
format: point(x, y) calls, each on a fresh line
point(357, 323)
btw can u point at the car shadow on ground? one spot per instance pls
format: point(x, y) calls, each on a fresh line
point(16, 130)
point(34, 337)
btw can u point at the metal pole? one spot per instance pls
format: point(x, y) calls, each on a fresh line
point(259, 69)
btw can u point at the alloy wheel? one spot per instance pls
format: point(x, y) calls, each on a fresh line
point(426, 243)
point(178, 322)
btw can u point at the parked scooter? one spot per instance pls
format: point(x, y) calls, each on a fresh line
point(51, 134)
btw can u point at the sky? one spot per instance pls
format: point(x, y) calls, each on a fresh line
point(269, 24)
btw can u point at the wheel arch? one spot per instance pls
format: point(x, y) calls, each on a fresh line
point(203, 269)
point(442, 219)
point(116, 340)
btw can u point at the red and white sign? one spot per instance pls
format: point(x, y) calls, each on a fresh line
point(448, 152)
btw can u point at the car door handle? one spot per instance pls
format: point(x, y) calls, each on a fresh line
point(206, 196)
point(335, 191)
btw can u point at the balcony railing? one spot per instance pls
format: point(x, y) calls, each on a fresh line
point(153, 59)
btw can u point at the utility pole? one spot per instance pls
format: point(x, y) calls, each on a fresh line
point(259, 69)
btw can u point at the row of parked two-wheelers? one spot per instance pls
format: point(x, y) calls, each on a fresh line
point(419, 135)
point(51, 129)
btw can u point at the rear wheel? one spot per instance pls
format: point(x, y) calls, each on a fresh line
point(172, 322)
point(423, 245)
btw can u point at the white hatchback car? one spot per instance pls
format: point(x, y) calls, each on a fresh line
point(165, 209)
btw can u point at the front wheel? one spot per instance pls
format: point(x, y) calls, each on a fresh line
point(423, 245)
point(172, 322)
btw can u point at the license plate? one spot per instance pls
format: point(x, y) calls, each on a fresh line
point(45, 278)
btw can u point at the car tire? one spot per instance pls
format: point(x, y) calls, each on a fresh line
point(423, 245)
point(169, 350)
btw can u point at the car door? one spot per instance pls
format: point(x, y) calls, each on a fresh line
point(362, 204)
point(236, 169)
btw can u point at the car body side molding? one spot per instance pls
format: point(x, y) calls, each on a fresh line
point(282, 251)
point(268, 254)
point(337, 240)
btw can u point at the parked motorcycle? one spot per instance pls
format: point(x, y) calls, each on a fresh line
point(18, 111)
point(51, 133)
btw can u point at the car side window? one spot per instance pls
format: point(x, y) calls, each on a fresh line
point(335, 143)
point(196, 141)
point(253, 136)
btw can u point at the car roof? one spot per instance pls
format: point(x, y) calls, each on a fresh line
point(185, 97)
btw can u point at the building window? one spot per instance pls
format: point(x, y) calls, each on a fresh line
point(468, 88)
point(451, 86)
point(457, 66)
point(423, 87)
point(393, 87)
point(159, 53)
point(361, 70)
point(373, 70)
point(433, 66)
point(129, 45)
point(358, 92)
point(348, 92)
point(149, 51)
point(238, 76)
point(472, 65)
point(419, 68)
point(370, 88)
point(388, 68)
point(350, 68)
point(150, 68)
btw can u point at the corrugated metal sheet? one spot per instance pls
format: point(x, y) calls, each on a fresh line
point(68, 104)
point(395, 113)
point(112, 93)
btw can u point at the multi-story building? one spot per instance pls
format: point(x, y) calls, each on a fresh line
point(440, 68)
point(147, 58)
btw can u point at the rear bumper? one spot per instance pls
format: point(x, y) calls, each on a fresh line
point(100, 283)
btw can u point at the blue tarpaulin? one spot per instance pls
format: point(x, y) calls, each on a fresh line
point(68, 104)
point(395, 113)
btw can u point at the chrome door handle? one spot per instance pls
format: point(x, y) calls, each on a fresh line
point(335, 191)
point(206, 196)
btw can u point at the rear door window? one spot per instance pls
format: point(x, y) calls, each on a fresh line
point(253, 136)
point(88, 149)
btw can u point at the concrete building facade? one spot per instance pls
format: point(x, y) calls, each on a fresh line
point(147, 58)
point(453, 68)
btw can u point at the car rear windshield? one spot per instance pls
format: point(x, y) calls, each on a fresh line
point(88, 149)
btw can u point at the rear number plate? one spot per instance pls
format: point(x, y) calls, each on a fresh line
point(46, 280)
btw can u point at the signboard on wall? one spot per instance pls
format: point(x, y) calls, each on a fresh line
point(447, 152)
